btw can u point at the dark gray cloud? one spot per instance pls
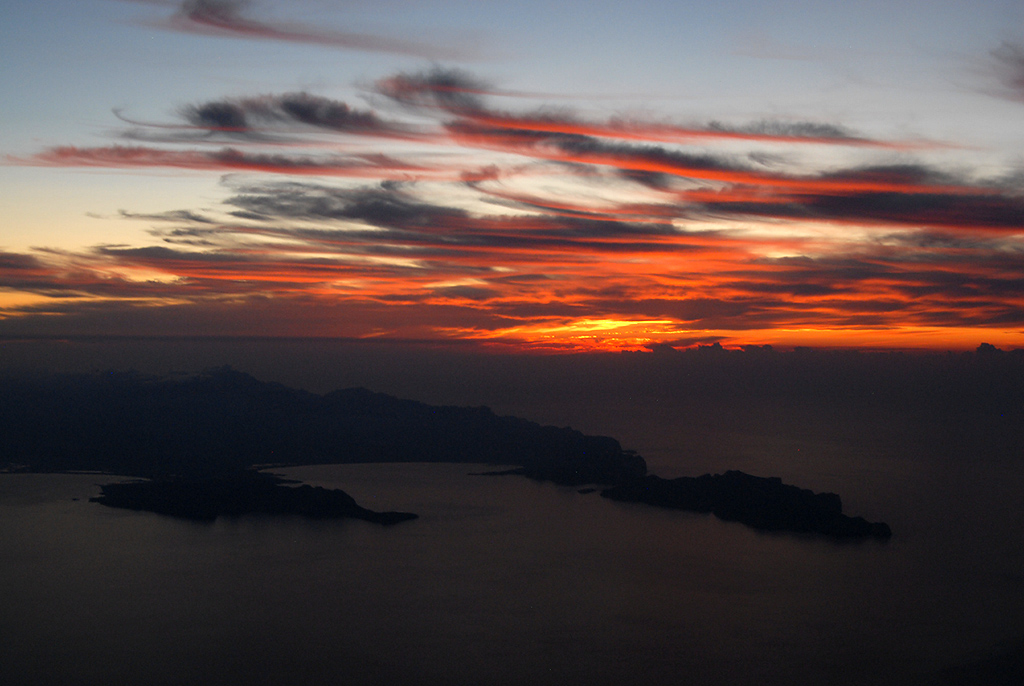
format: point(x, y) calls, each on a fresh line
point(641, 158)
point(907, 175)
point(158, 253)
point(219, 116)
point(452, 90)
point(389, 206)
point(788, 129)
point(178, 216)
point(982, 209)
point(951, 242)
point(262, 115)
point(904, 274)
point(385, 205)
point(12, 262)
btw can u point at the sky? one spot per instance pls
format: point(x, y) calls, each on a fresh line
point(538, 176)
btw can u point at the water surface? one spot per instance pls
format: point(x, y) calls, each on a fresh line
point(504, 581)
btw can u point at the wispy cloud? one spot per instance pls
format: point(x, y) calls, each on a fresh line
point(231, 18)
point(1010, 65)
point(234, 160)
point(246, 114)
point(461, 94)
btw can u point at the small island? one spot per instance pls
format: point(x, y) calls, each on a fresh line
point(233, 495)
point(765, 504)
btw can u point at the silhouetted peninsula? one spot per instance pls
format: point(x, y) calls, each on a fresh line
point(205, 499)
point(198, 437)
point(766, 504)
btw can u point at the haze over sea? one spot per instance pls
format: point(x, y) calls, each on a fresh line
point(505, 580)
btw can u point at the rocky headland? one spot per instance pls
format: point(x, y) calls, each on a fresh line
point(765, 504)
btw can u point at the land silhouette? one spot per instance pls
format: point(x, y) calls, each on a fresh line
point(198, 439)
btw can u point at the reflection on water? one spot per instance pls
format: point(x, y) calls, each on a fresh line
point(503, 581)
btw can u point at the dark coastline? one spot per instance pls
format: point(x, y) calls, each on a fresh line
point(198, 438)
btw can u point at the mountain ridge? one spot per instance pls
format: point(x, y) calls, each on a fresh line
point(223, 420)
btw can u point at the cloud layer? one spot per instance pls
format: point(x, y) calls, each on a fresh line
point(437, 215)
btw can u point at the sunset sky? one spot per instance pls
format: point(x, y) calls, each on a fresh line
point(535, 175)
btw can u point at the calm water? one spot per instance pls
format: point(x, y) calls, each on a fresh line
point(506, 581)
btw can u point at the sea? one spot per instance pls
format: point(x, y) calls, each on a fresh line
point(503, 580)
